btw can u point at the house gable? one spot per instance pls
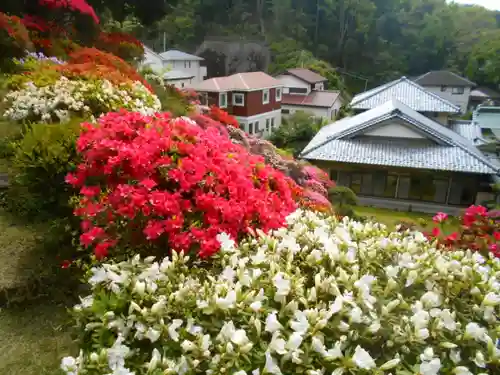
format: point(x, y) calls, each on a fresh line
point(394, 129)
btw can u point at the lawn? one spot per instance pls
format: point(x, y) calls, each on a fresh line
point(33, 339)
point(392, 218)
point(34, 336)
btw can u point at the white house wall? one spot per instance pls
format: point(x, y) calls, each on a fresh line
point(261, 118)
point(190, 67)
point(394, 130)
point(153, 61)
point(462, 100)
point(181, 83)
point(291, 81)
point(326, 113)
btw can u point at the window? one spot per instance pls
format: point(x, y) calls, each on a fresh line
point(443, 88)
point(250, 128)
point(265, 96)
point(256, 127)
point(239, 100)
point(272, 123)
point(457, 90)
point(298, 90)
point(278, 94)
point(285, 111)
point(268, 123)
point(182, 84)
point(223, 100)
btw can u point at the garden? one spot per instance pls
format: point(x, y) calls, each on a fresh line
point(144, 235)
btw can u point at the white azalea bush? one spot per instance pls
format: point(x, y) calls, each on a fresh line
point(81, 98)
point(317, 297)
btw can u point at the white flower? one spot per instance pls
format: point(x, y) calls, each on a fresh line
point(226, 243)
point(462, 370)
point(172, 329)
point(427, 355)
point(294, 341)
point(239, 337)
point(99, 275)
point(431, 299)
point(277, 344)
point(455, 356)
point(227, 302)
point(491, 299)
point(422, 333)
point(272, 323)
point(188, 346)
point(271, 366)
point(476, 332)
point(241, 372)
point(479, 359)
point(356, 315)
point(155, 360)
point(390, 364)
point(153, 334)
point(283, 286)
point(69, 364)
point(431, 368)
point(363, 359)
point(300, 324)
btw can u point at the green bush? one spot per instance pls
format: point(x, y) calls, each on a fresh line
point(343, 199)
point(41, 161)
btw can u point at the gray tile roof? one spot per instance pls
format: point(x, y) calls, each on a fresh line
point(443, 78)
point(342, 141)
point(469, 130)
point(174, 54)
point(407, 92)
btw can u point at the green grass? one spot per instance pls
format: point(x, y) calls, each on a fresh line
point(392, 218)
point(33, 340)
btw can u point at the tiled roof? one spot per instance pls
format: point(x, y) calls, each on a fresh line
point(239, 82)
point(343, 141)
point(407, 92)
point(174, 54)
point(469, 130)
point(324, 99)
point(307, 75)
point(443, 78)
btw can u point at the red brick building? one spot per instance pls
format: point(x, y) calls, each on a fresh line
point(254, 98)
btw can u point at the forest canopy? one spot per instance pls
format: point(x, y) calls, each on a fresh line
point(378, 39)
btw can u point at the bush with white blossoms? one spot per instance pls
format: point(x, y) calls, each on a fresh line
point(83, 98)
point(317, 297)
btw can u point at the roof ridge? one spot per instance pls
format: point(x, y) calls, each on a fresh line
point(432, 94)
point(376, 90)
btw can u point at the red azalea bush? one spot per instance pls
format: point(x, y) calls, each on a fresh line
point(122, 45)
point(14, 37)
point(155, 183)
point(479, 231)
point(217, 114)
point(80, 6)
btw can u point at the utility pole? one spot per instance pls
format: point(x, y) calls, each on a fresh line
point(164, 41)
point(366, 79)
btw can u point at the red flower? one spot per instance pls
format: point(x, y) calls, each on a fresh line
point(65, 264)
point(452, 237)
point(170, 179)
point(440, 217)
point(436, 232)
point(496, 235)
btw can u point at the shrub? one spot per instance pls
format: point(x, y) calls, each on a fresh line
point(343, 199)
point(42, 158)
point(122, 45)
point(479, 231)
point(14, 39)
point(151, 184)
point(65, 98)
point(317, 297)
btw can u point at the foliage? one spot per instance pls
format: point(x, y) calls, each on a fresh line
point(296, 131)
point(317, 297)
point(42, 158)
point(14, 39)
point(150, 184)
point(170, 98)
point(480, 231)
point(343, 200)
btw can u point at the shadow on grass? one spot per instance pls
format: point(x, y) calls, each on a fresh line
point(33, 339)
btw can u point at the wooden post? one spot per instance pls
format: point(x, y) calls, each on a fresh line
point(397, 187)
point(450, 181)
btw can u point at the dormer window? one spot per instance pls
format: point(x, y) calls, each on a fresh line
point(457, 90)
point(223, 100)
point(443, 88)
point(278, 94)
point(265, 96)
